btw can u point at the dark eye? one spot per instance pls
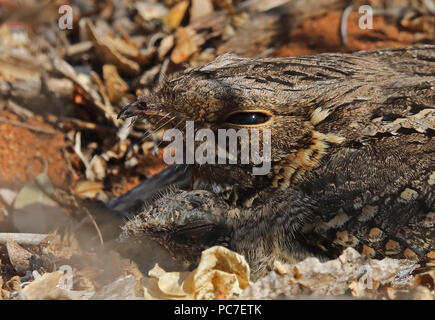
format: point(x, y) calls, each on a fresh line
point(248, 118)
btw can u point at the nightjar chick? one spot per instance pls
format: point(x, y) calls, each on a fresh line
point(352, 159)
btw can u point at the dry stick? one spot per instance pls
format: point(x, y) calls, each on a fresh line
point(19, 110)
point(79, 48)
point(94, 223)
point(27, 126)
point(100, 236)
point(343, 25)
point(87, 125)
point(23, 238)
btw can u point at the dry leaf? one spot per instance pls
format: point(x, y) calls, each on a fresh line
point(82, 81)
point(115, 85)
point(120, 289)
point(47, 287)
point(110, 55)
point(152, 290)
point(425, 24)
point(150, 11)
point(19, 257)
point(108, 108)
point(176, 15)
point(98, 167)
point(170, 283)
point(223, 259)
point(426, 279)
point(281, 268)
point(185, 46)
point(88, 189)
point(165, 46)
point(13, 284)
point(125, 48)
point(200, 8)
point(221, 274)
point(225, 4)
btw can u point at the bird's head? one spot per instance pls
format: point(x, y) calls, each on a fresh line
point(280, 99)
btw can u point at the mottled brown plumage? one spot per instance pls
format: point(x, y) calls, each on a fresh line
point(353, 158)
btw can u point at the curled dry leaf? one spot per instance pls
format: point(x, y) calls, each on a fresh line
point(185, 47)
point(82, 82)
point(110, 55)
point(127, 49)
point(175, 16)
point(220, 267)
point(168, 284)
point(221, 274)
point(18, 256)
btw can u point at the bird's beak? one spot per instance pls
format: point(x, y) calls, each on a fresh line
point(133, 109)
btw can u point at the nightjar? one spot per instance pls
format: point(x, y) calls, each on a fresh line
point(352, 159)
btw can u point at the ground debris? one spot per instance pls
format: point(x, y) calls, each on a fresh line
point(349, 276)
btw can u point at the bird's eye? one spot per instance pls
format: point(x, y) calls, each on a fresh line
point(248, 118)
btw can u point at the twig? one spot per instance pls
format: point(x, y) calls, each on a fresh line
point(27, 126)
point(23, 238)
point(100, 236)
point(19, 110)
point(88, 125)
point(343, 25)
point(79, 48)
point(68, 163)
